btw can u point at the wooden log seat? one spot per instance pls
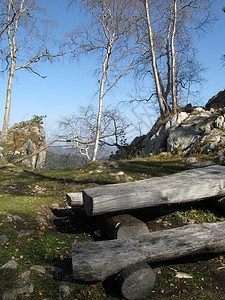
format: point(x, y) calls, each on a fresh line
point(186, 186)
point(94, 261)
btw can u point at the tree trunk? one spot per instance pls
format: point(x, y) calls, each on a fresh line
point(173, 57)
point(105, 68)
point(186, 186)
point(13, 50)
point(154, 63)
point(98, 129)
point(95, 261)
point(8, 102)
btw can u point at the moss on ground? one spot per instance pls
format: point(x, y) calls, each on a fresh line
point(30, 195)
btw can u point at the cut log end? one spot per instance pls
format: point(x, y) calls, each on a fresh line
point(132, 229)
point(74, 199)
point(121, 226)
point(136, 281)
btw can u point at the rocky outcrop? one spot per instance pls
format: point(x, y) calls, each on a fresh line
point(23, 139)
point(192, 130)
point(217, 101)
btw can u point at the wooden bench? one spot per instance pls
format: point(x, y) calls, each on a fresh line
point(133, 247)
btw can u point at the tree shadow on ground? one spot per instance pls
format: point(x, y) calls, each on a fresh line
point(153, 168)
point(68, 180)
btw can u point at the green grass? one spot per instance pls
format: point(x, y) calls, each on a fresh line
point(27, 193)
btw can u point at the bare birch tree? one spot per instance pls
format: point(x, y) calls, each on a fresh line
point(80, 129)
point(165, 33)
point(108, 35)
point(161, 101)
point(25, 44)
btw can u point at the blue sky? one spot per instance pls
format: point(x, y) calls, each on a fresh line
point(70, 84)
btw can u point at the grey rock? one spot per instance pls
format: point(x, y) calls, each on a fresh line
point(220, 155)
point(11, 265)
point(128, 178)
point(64, 290)
point(121, 173)
point(197, 110)
point(42, 220)
point(25, 275)
point(30, 137)
point(206, 129)
point(9, 295)
point(193, 130)
point(113, 164)
point(181, 138)
point(21, 288)
point(39, 269)
point(17, 218)
point(191, 160)
point(3, 239)
point(181, 117)
point(23, 233)
point(217, 101)
point(219, 122)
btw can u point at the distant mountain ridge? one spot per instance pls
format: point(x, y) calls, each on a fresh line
point(63, 161)
point(64, 150)
point(62, 157)
point(69, 149)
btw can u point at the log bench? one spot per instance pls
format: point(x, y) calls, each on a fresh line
point(186, 186)
point(133, 246)
point(94, 261)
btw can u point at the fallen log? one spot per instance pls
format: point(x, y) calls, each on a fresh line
point(94, 261)
point(74, 199)
point(121, 226)
point(136, 281)
point(186, 186)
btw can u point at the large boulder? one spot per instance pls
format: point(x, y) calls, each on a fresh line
point(23, 139)
point(192, 130)
point(217, 101)
point(201, 131)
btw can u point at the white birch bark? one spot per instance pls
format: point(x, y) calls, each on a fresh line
point(173, 58)
point(154, 63)
point(11, 34)
point(105, 68)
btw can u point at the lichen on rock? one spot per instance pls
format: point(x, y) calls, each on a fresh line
point(23, 139)
point(192, 130)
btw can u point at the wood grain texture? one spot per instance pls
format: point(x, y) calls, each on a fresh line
point(94, 261)
point(186, 186)
point(74, 199)
point(136, 281)
point(121, 226)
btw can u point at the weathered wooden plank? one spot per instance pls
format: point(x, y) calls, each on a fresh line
point(95, 261)
point(121, 226)
point(186, 186)
point(74, 199)
point(136, 281)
